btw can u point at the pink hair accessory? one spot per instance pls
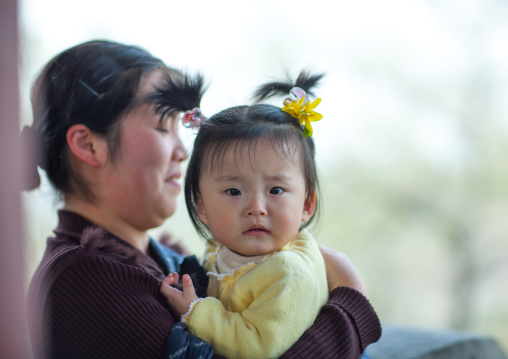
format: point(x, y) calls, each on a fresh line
point(193, 118)
point(298, 106)
point(295, 94)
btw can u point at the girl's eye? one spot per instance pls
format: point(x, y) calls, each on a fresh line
point(233, 192)
point(276, 190)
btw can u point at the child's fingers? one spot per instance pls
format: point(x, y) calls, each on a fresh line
point(166, 288)
point(188, 287)
point(168, 291)
point(175, 276)
point(187, 282)
point(169, 280)
point(179, 301)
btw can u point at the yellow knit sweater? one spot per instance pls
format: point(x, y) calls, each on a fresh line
point(260, 309)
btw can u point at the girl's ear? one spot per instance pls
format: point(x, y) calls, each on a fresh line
point(86, 145)
point(309, 207)
point(200, 209)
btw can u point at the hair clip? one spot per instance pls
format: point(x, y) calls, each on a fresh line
point(295, 94)
point(193, 118)
point(300, 108)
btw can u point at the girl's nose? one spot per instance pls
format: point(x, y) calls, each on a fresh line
point(256, 208)
point(256, 212)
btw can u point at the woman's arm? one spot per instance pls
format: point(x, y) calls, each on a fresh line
point(347, 323)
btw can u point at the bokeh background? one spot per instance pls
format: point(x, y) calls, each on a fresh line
point(411, 151)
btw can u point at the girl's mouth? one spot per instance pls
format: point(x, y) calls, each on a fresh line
point(256, 230)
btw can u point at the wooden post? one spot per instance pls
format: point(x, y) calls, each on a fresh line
point(13, 333)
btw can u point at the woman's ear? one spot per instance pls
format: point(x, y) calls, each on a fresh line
point(200, 209)
point(309, 207)
point(86, 145)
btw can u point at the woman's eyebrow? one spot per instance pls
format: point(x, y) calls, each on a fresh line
point(162, 104)
point(155, 96)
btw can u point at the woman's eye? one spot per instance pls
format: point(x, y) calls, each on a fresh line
point(233, 192)
point(276, 190)
point(164, 123)
point(163, 126)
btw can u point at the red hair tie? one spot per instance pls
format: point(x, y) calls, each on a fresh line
point(193, 118)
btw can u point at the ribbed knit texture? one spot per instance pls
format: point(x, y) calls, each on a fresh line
point(100, 299)
point(95, 296)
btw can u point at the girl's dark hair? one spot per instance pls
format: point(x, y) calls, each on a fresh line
point(241, 125)
point(95, 84)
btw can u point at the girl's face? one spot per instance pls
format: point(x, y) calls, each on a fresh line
point(254, 203)
point(143, 186)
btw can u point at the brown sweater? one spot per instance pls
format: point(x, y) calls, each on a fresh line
point(95, 296)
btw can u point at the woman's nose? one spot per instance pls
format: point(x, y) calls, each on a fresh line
point(179, 152)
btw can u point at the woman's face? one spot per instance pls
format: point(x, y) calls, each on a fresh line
point(143, 180)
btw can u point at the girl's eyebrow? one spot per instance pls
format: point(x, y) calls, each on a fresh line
point(230, 178)
point(279, 177)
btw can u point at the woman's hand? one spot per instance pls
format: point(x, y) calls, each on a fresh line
point(341, 272)
point(179, 301)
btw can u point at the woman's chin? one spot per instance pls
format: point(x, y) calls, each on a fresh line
point(168, 211)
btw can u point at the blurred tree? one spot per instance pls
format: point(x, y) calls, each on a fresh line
point(427, 223)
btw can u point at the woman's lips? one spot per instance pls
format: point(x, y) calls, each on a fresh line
point(173, 181)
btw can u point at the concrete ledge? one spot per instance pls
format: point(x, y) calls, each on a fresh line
point(400, 342)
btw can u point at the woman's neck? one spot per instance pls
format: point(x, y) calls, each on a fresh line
point(111, 222)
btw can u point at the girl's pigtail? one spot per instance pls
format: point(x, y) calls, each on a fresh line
point(297, 102)
point(268, 90)
point(306, 81)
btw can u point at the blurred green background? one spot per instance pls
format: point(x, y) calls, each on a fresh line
point(411, 150)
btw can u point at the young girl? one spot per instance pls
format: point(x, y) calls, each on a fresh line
point(252, 184)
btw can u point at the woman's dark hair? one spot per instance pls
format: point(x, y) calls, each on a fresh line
point(95, 84)
point(246, 125)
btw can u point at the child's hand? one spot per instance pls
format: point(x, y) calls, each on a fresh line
point(341, 272)
point(179, 301)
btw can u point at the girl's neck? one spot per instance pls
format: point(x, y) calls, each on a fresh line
point(109, 221)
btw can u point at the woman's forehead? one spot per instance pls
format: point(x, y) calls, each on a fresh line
point(150, 82)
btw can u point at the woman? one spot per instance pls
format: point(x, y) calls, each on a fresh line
point(106, 119)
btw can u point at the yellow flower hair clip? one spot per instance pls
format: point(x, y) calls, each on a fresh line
point(300, 108)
